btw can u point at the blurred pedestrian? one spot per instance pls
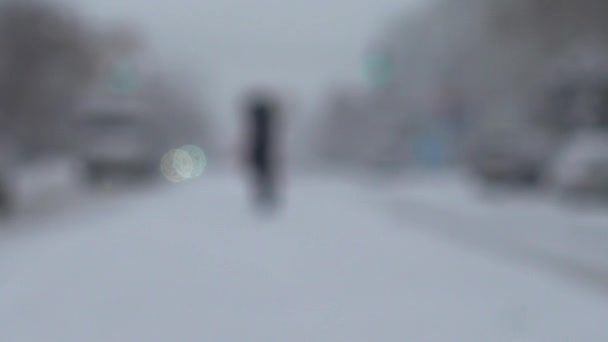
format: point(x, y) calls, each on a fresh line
point(261, 123)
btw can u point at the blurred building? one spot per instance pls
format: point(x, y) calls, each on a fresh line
point(574, 89)
point(458, 65)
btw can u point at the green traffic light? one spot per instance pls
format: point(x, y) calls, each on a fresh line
point(379, 70)
point(122, 78)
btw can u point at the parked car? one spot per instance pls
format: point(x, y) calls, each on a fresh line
point(581, 168)
point(118, 141)
point(511, 156)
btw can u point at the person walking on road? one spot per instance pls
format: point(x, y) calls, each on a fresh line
point(261, 147)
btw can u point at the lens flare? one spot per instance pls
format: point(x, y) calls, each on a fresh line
point(198, 158)
point(167, 167)
point(184, 163)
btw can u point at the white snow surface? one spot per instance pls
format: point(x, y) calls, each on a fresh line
point(195, 263)
point(533, 221)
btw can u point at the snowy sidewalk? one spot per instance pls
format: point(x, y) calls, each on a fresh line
point(195, 264)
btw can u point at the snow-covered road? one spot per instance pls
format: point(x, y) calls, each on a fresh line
point(194, 263)
point(539, 230)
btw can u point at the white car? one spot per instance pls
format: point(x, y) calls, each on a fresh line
point(118, 141)
point(581, 168)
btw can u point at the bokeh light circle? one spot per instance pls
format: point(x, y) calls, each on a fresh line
point(199, 160)
point(168, 169)
point(184, 163)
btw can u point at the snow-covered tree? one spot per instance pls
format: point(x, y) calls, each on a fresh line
point(46, 59)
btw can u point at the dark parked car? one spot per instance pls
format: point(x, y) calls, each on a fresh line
point(511, 156)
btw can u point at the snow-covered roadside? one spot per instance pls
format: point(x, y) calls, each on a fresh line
point(517, 221)
point(194, 264)
point(48, 190)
